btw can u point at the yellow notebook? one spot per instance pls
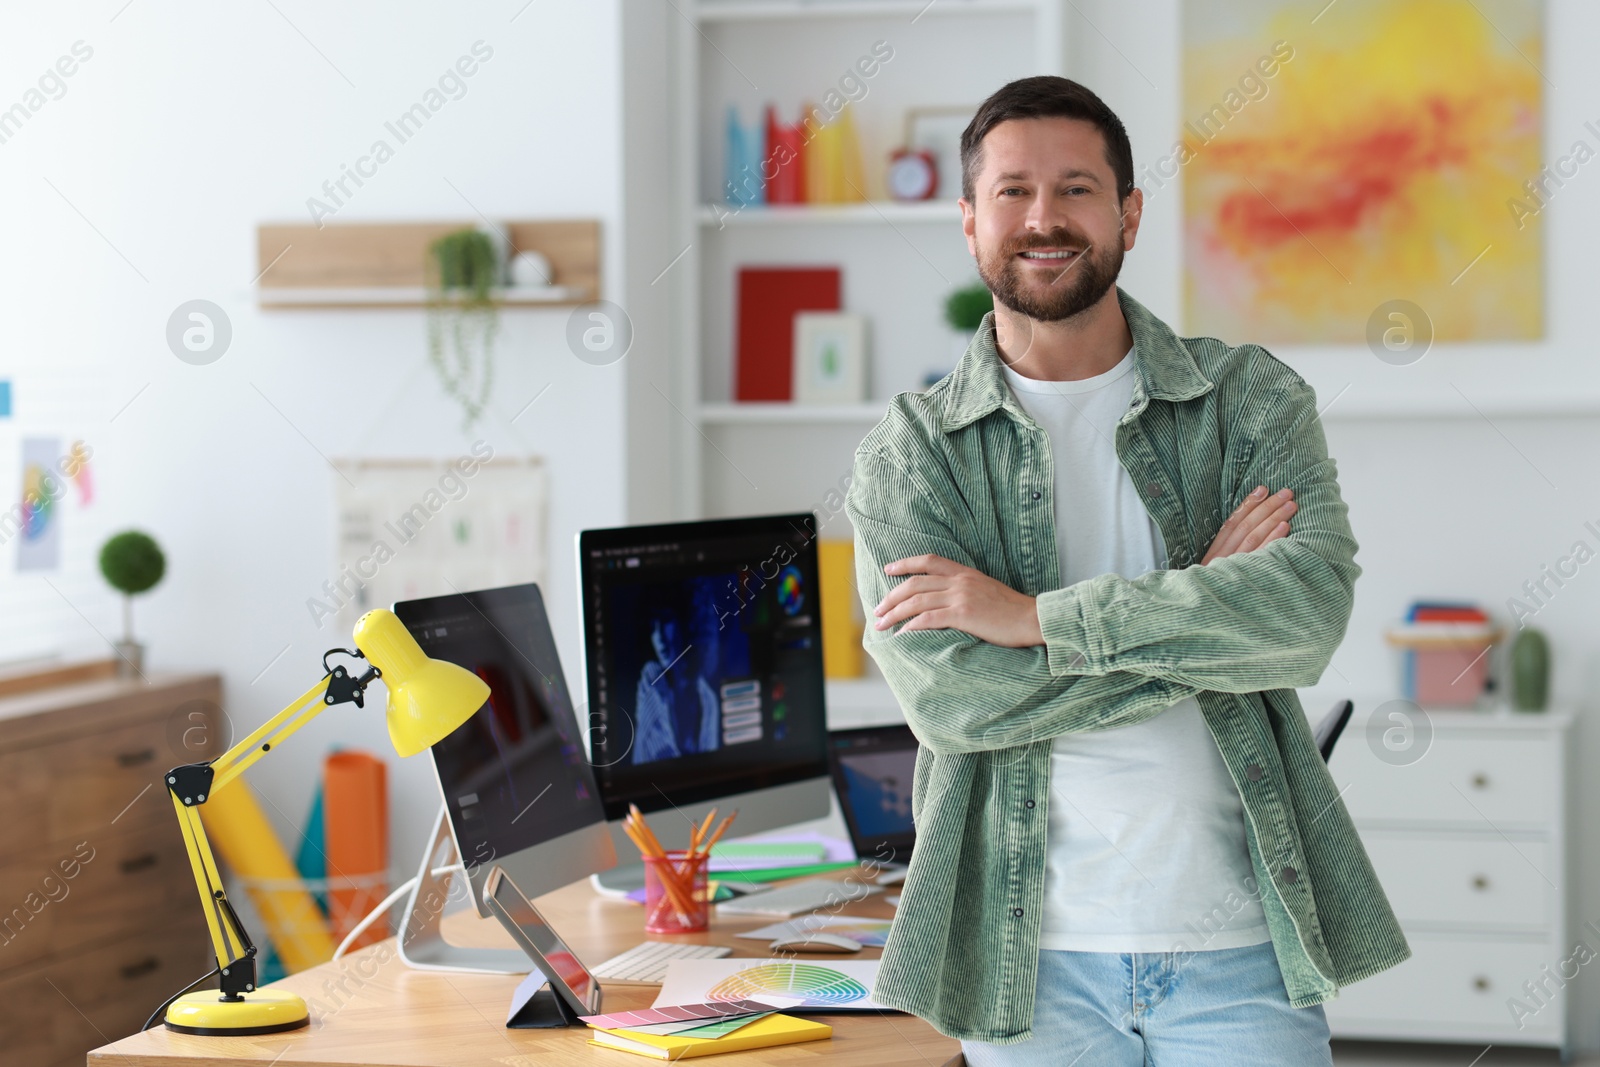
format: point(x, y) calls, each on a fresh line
point(773, 1030)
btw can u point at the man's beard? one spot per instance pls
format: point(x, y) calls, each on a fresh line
point(1051, 295)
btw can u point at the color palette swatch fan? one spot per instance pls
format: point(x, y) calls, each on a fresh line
point(799, 986)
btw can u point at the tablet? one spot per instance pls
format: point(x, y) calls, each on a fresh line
point(569, 979)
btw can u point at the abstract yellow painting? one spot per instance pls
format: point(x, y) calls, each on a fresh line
point(1340, 156)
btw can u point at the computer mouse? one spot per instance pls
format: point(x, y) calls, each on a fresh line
point(892, 876)
point(815, 942)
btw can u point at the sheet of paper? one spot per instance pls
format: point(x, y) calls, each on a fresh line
point(841, 986)
point(677, 1011)
point(838, 849)
point(866, 931)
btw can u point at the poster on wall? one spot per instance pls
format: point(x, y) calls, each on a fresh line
point(39, 528)
point(1339, 157)
point(420, 528)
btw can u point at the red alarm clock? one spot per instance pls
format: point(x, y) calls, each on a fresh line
point(913, 174)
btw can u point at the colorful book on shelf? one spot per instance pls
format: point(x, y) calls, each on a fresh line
point(1421, 611)
point(764, 1033)
point(768, 298)
point(784, 164)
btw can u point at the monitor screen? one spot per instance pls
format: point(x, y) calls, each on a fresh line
point(873, 770)
point(514, 775)
point(703, 650)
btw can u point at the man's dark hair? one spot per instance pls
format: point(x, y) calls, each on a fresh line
point(1046, 96)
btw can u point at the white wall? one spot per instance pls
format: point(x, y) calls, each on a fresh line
point(191, 124)
point(1445, 502)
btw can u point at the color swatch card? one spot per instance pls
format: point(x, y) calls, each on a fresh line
point(844, 986)
point(866, 931)
point(691, 1010)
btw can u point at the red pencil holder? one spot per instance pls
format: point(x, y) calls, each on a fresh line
point(684, 909)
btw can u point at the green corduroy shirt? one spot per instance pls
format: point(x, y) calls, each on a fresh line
point(963, 472)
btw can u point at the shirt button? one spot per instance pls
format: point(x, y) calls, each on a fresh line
point(1291, 875)
point(1254, 772)
point(1017, 912)
point(1037, 494)
point(1027, 803)
point(1153, 489)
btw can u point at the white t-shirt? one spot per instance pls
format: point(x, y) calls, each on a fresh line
point(1147, 848)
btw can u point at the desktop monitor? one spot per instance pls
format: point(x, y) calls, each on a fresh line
point(517, 789)
point(703, 656)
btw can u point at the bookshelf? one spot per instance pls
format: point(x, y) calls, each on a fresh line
point(897, 260)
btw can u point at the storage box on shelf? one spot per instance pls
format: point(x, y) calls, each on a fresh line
point(1464, 815)
point(98, 923)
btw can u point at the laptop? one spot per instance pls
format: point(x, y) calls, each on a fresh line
point(872, 772)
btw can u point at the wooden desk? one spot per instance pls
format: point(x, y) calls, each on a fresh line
point(370, 1009)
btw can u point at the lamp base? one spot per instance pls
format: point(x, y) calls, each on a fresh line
point(265, 1011)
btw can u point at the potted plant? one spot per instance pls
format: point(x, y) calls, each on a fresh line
point(464, 268)
point(964, 310)
point(132, 563)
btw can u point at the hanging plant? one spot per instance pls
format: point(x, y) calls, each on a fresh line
point(463, 317)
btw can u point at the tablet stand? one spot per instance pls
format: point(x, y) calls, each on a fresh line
point(422, 941)
point(543, 1010)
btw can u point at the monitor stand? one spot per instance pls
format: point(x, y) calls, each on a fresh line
point(422, 942)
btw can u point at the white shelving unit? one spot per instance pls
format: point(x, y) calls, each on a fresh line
point(898, 261)
point(409, 296)
point(872, 212)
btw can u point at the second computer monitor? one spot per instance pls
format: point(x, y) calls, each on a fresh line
point(515, 782)
point(703, 657)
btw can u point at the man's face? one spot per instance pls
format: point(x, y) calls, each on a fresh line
point(1045, 187)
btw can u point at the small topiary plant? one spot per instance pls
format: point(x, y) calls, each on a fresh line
point(132, 563)
point(965, 308)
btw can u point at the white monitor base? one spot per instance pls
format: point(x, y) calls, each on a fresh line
point(422, 941)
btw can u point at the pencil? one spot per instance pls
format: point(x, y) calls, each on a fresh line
point(722, 828)
point(705, 827)
point(672, 880)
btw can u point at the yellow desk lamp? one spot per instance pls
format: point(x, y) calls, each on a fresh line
point(428, 699)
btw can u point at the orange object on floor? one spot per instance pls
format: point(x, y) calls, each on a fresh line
point(244, 839)
point(355, 806)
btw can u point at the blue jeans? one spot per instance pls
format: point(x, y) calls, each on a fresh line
point(1163, 1009)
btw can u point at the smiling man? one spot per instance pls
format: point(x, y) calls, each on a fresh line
point(1099, 558)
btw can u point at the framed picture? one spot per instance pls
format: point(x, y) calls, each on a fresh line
point(830, 358)
point(938, 130)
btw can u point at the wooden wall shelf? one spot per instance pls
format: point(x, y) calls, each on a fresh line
point(382, 265)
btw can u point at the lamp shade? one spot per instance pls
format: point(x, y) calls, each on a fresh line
point(428, 698)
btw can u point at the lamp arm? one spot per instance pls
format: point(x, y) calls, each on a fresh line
point(193, 784)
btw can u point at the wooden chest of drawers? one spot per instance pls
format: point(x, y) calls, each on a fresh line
point(99, 919)
point(1465, 817)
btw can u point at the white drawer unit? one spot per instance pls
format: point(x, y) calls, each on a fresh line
point(1464, 815)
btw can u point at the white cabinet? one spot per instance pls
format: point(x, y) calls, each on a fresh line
point(1464, 815)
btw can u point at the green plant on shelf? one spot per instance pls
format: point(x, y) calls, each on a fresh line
point(965, 308)
point(464, 317)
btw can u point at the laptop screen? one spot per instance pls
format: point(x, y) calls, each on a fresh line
point(872, 772)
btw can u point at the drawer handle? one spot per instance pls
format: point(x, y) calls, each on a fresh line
point(135, 759)
point(135, 864)
point(1480, 882)
point(148, 965)
point(1480, 781)
point(1480, 983)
